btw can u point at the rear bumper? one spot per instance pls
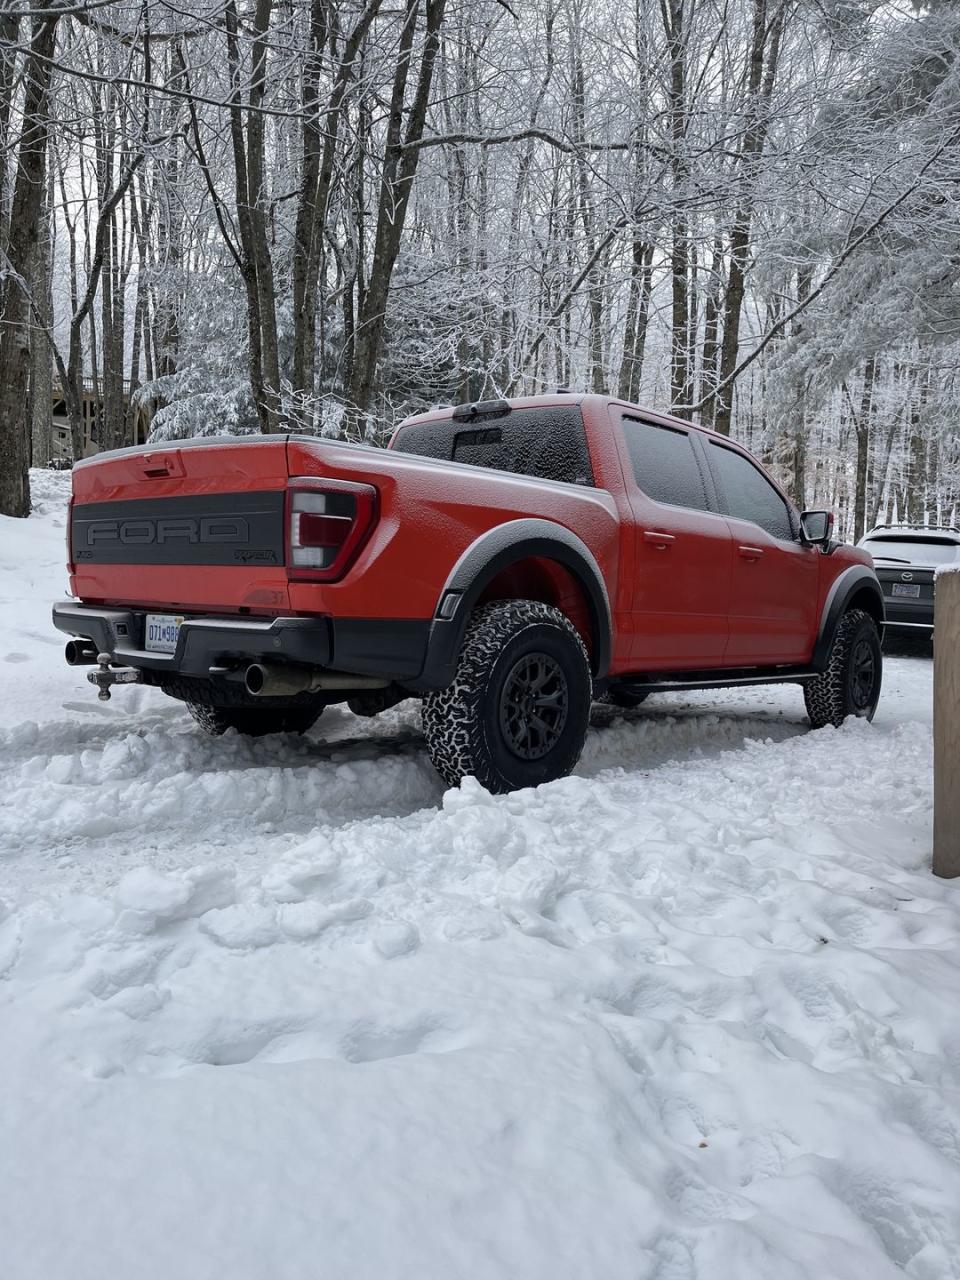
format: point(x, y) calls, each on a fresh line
point(392, 648)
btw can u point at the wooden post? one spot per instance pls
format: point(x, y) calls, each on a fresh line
point(946, 727)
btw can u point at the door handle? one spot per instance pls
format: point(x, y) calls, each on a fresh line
point(660, 540)
point(751, 553)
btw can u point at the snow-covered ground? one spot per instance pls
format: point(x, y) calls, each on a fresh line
point(284, 1010)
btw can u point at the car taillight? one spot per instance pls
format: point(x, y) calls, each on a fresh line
point(328, 521)
point(70, 565)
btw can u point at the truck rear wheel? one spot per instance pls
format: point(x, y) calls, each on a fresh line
point(517, 711)
point(253, 722)
point(850, 685)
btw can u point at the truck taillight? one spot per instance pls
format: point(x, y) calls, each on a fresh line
point(70, 565)
point(328, 521)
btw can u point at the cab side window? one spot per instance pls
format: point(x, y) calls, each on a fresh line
point(664, 464)
point(746, 493)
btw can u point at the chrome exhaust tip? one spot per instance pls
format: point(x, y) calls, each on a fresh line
point(80, 653)
point(273, 680)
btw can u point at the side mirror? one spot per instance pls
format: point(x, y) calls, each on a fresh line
point(816, 528)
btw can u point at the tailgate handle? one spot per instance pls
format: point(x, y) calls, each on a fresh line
point(160, 466)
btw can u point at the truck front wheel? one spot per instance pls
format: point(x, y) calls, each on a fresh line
point(850, 685)
point(517, 711)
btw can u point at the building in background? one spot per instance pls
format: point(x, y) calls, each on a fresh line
point(92, 405)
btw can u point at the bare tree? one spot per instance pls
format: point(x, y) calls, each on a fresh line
point(16, 281)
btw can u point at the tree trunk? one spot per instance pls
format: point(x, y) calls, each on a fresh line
point(257, 214)
point(15, 284)
point(320, 140)
point(250, 184)
point(9, 30)
point(41, 356)
point(304, 296)
point(913, 505)
point(72, 375)
point(399, 168)
point(711, 334)
point(585, 206)
point(760, 89)
point(674, 12)
point(798, 480)
point(635, 323)
point(863, 425)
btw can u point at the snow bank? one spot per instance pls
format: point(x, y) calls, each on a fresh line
point(285, 1009)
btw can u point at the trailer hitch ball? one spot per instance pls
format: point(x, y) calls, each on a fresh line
point(105, 677)
point(101, 677)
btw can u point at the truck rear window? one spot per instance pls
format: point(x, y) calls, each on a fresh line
point(917, 550)
point(548, 443)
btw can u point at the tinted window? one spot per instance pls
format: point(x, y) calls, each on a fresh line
point(917, 550)
point(746, 493)
point(548, 443)
point(664, 464)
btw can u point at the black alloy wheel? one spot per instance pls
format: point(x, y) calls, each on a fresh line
point(533, 706)
point(863, 675)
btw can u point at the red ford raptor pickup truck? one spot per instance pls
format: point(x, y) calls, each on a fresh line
point(506, 562)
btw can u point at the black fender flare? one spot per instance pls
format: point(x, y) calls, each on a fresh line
point(490, 554)
point(856, 580)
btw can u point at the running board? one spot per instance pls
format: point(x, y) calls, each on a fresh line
point(796, 676)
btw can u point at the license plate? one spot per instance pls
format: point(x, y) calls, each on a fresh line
point(161, 633)
point(911, 589)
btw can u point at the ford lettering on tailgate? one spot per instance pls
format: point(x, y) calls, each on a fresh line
point(223, 528)
point(138, 533)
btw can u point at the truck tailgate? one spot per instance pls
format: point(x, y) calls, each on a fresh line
point(198, 525)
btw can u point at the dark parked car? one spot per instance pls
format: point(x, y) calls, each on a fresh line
point(907, 558)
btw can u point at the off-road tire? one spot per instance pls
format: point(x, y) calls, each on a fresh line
point(624, 698)
point(468, 725)
point(253, 722)
point(841, 690)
